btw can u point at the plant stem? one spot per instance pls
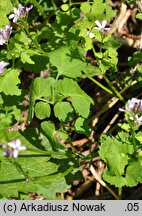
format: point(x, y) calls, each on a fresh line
point(37, 5)
point(97, 177)
point(44, 100)
point(113, 88)
point(133, 138)
point(99, 84)
point(120, 192)
point(132, 133)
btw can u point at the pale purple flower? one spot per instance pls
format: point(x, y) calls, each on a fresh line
point(5, 34)
point(2, 66)
point(19, 12)
point(102, 26)
point(133, 108)
point(133, 105)
point(13, 148)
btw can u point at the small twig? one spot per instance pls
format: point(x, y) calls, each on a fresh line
point(83, 187)
point(100, 166)
point(109, 104)
point(111, 123)
point(139, 4)
point(95, 174)
point(119, 18)
point(77, 143)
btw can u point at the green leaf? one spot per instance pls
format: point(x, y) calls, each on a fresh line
point(21, 39)
point(109, 11)
point(134, 174)
point(65, 7)
point(118, 181)
point(13, 180)
point(32, 169)
point(40, 88)
point(63, 111)
point(81, 126)
point(52, 185)
point(101, 10)
point(5, 120)
point(124, 126)
point(25, 58)
point(115, 152)
point(139, 69)
point(139, 16)
point(85, 7)
point(42, 110)
point(138, 136)
point(49, 131)
point(92, 70)
point(67, 62)
point(5, 8)
point(9, 82)
point(40, 63)
point(135, 59)
point(21, 176)
point(98, 9)
point(80, 100)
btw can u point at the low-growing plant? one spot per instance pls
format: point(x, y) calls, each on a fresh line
point(43, 63)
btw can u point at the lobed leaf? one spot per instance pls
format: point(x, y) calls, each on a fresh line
point(66, 62)
point(42, 110)
point(9, 82)
point(80, 100)
point(63, 111)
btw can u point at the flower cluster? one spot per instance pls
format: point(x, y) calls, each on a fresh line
point(12, 148)
point(133, 108)
point(20, 12)
point(99, 26)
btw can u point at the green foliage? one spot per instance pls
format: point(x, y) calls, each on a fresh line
point(40, 88)
point(63, 111)
point(117, 152)
point(33, 171)
point(5, 8)
point(9, 82)
point(68, 62)
point(51, 56)
point(81, 126)
point(55, 92)
point(79, 99)
point(50, 132)
point(42, 110)
point(139, 16)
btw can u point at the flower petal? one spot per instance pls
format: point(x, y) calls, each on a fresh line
point(104, 22)
point(15, 153)
point(11, 16)
point(18, 143)
point(15, 19)
point(22, 148)
point(3, 64)
point(98, 24)
point(122, 110)
point(29, 8)
point(12, 144)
